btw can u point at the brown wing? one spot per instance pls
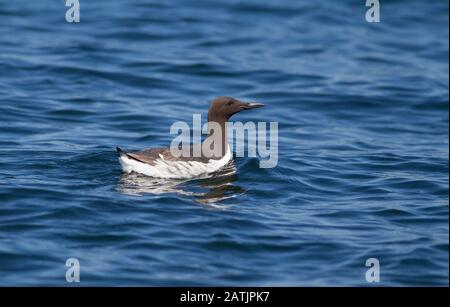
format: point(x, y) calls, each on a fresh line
point(149, 156)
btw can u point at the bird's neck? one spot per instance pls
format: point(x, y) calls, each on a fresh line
point(216, 137)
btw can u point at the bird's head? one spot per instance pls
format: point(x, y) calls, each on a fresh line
point(224, 107)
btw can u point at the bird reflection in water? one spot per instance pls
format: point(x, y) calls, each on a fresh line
point(210, 189)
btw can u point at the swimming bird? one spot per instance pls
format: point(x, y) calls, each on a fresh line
point(214, 151)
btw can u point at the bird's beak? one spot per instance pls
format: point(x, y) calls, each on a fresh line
point(251, 105)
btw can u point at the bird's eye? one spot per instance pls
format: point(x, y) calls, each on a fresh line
point(229, 103)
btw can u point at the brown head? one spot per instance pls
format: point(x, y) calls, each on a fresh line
point(222, 108)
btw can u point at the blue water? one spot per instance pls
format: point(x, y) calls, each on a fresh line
point(363, 142)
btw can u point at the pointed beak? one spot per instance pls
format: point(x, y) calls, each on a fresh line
point(251, 105)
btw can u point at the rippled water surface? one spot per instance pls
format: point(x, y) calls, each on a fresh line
point(363, 142)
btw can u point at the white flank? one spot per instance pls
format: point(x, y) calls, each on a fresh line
point(174, 169)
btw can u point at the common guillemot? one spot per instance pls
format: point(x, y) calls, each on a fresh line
point(161, 163)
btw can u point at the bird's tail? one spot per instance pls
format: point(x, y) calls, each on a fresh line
point(120, 152)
